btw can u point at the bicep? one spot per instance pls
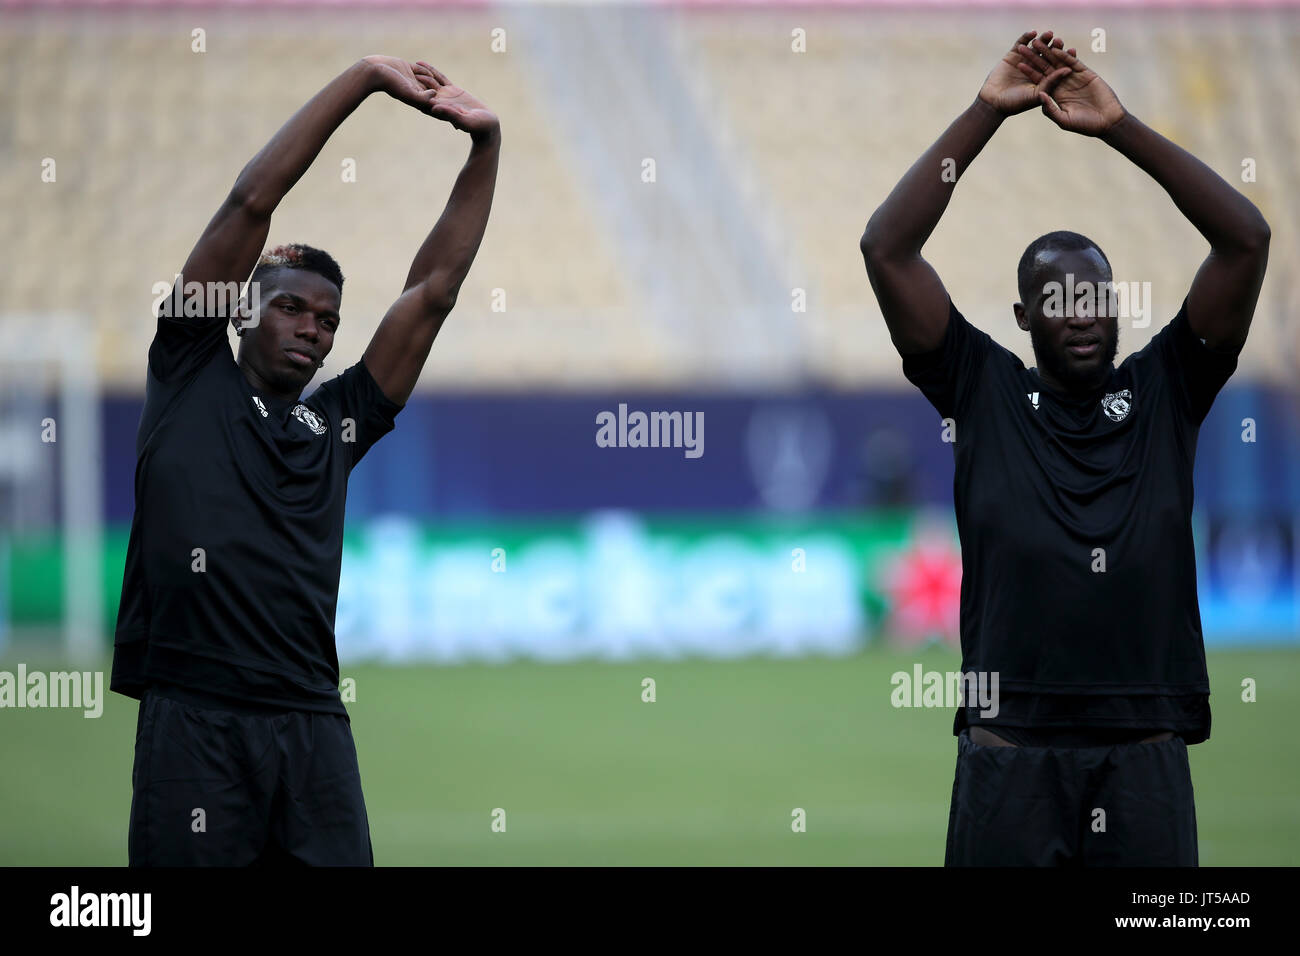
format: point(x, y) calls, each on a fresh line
point(187, 338)
point(230, 246)
point(400, 346)
point(1222, 298)
point(913, 301)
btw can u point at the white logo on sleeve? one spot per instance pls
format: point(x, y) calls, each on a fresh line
point(260, 406)
point(1117, 405)
point(1033, 397)
point(310, 419)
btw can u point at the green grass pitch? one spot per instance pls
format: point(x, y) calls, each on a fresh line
point(708, 774)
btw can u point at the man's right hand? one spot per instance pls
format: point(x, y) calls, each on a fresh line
point(1010, 88)
point(400, 80)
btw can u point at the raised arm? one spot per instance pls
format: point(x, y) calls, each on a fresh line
point(397, 353)
point(230, 245)
point(1222, 299)
point(910, 293)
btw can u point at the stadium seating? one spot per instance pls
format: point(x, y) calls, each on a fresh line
point(149, 135)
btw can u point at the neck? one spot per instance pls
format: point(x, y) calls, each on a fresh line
point(265, 387)
point(1075, 388)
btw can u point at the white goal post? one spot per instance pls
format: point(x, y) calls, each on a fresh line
point(51, 477)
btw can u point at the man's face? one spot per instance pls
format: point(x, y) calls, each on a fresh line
point(1074, 332)
point(299, 316)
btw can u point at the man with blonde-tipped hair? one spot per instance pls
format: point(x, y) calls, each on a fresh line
point(244, 752)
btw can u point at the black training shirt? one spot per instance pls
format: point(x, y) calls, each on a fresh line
point(1042, 481)
point(259, 486)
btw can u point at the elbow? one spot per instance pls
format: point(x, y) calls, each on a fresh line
point(1261, 236)
point(870, 243)
point(247, 197)
point(866, 243)
point(438, 298)
point(1250, 241)
point(879, 245)
point(244, 199)
point(1254, 238)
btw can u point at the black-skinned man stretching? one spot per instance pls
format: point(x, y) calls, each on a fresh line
point(244, 752)
point(1073, 493)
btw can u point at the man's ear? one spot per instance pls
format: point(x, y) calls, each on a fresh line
point(1022, 319)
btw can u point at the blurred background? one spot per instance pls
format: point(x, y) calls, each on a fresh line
point(681, 192)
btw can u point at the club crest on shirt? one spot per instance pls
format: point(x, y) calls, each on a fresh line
point(260, 406)
point(1117, 405)
point(310, 419)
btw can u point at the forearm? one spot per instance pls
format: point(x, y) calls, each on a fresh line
point(906, 218)
point(270, 174)
point(1222, 215)
point(446, 255)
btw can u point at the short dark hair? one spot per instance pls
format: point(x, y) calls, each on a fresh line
point(1059, 241)
point(295, 255)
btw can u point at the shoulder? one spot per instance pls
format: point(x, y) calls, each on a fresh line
point(1176, 339)
point(1192, 371)
point(960, 338)
point(354, 385)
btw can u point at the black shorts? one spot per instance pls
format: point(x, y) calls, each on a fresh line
point(240, 786)
point(1115, 805)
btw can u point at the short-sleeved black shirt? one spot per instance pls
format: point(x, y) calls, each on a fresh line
point(1043, 481)
point(232, 568)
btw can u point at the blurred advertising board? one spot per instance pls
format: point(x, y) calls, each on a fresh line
point(620, 585)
